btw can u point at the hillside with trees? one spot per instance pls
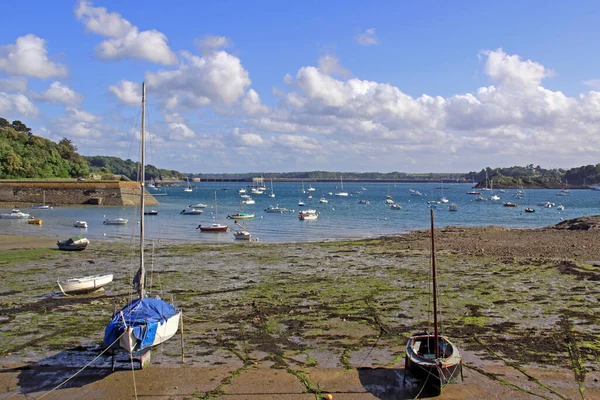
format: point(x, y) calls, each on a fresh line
point(24, 155)
point(105, 165)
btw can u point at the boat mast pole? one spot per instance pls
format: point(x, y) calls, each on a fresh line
point(435, 321)
point(142, 291)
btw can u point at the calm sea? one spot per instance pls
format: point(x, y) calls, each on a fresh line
point(340, 218)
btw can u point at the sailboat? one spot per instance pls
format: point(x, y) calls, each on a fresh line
point(188, 188)
point(433, 358)
point(272, 194)
point(144, 322)
point(444, 199)
point(342, 193)
point(42, 206)
point(215, 227)
point(242, 233)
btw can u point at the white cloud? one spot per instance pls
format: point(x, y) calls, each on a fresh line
point(28, 57)
point(79, 115)
point(59, 93)
point(330, 65)
point(13, 84)
point(127, 92)
point(367, 38)
point(126, 41)
point(592, 83)
point(16, 104)
point(212, 43)
point(512, 72)
point(180, 131)
point(218, 77)
point(251, 104)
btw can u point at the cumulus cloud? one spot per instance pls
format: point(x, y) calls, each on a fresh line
point(79, 123)
point(510, 71)
point(126, 41)
point(180, 131)
point(16, 104)
point(13, 84)
point(215, 78)
point(59, 93)
point(127, 92)
point(211, 43)
point(28, 57)
point(330, 65)
point(367, 38)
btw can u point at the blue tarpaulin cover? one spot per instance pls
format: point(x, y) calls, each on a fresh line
point(144, 315)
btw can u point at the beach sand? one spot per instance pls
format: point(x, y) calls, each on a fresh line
point(300, 320)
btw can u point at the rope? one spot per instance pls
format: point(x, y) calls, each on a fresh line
point(206, 320)
point(84, 367)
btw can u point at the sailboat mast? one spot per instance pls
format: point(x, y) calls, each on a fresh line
point(142, 290)
point(435, 314)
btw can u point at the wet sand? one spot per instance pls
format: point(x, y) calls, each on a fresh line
point(296, 321)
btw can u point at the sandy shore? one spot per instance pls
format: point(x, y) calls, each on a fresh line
point(297, 321)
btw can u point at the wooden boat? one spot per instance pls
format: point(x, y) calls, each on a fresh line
point(115, 221)
point(240, 216)
point(74, 243)
point(432, 358)
point(509, 204)
point(144, 322)
point(84, 285)
point(80, 224)
point(15, 213)
point(33, 221)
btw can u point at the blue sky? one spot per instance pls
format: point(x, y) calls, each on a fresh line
point(340, 86)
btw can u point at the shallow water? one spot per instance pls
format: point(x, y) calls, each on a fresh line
point(339, 219)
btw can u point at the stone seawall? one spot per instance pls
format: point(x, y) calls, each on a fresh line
point(104, 193)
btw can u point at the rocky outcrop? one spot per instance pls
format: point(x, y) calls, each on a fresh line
point(106, 193)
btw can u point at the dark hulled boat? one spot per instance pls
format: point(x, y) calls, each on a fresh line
point(430, 357)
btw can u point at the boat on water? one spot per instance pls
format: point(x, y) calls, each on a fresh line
point(452, 207)
point(84, 285)
point(473, 192)
point(198, 205)
point(395, 206)
point(15, 213)
point(191, 211)
point(74, 243)
point(308, 215)
point(529, 209)
point(480, 198)
point(80, 224)
point(115, 221)
point(42, 206)
point(151, 212)
point(560, 207)
point(341, 193)
point(272, 194)
point(144, 322)
point(34, 221)
point(214, 227)
point(368, 202)
point(188, 189)
point(430, 357)
point(276, 210)
point(495, 197)
point(509, 204)
point(323, 200)
point(240, 216)
point(248, 201)
point(301, 203)
point(242, 233)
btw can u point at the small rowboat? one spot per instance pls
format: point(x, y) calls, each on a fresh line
point(213, 228)
point(84, 285)
point(34, 221)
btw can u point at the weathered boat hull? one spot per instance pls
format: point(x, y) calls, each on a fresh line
point(165, 330)
point(84, 285)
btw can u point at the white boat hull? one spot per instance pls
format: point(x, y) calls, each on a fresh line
point(164, 332)
point(85, 284)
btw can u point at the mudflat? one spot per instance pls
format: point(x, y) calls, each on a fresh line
point(302, 320)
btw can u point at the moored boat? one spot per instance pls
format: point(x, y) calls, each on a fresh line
point(15, 213)
point(80, 224)
point(276, 210)
point(191, 211)
point(84, 285)
point(74, 243)
point(151, 212)
point(34, 221)
point(212, 228)
point(430, 357)
point(509, 204)
point(115, 221)
point(240, 216)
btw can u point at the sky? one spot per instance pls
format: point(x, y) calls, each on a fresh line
point(272, 86)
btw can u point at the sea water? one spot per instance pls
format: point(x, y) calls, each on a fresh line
point(340, 218)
